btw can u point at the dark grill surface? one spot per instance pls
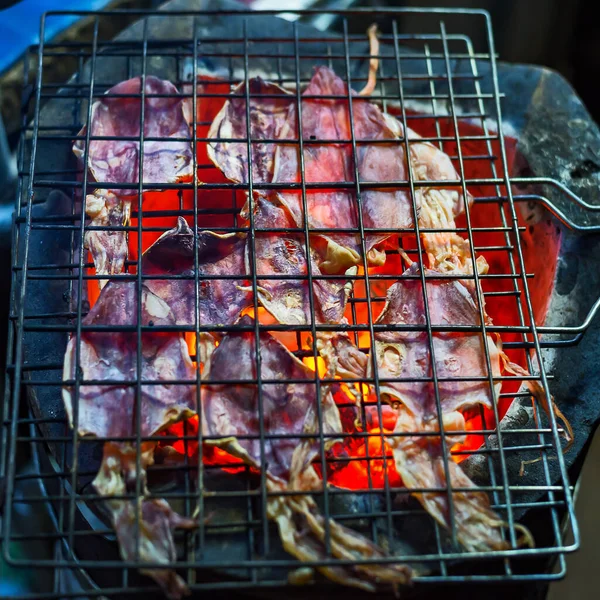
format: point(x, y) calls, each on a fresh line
point(436, 74)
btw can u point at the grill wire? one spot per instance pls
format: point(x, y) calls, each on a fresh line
point(441, 51)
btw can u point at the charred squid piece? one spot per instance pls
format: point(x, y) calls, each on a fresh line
point(302, 531)
point(420, 462)
point(155, 522)
point(220, 300)
point(459, 359)
point(341, 355)
point(322, 119)
point(108, 247)
point(343, 360)
point(267, 117)
point(439, 207)
point(328, 119)
point(405, 354)
point(385, 208)
point(270, 120)
point(117, 161)
point(109, 411)
point(448, 252)
point(436, 205)
point(106, 355)
point(232, 412)
point(461, 367)
point(288, 300)
point(369, 88)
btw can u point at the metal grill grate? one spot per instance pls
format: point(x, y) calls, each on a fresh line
point(432, 75)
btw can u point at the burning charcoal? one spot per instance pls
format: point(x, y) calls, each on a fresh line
point(288, 300)
point(109, 410)
point(220, 300)
point(232, 411)
point(117, 161)
point(108, 247)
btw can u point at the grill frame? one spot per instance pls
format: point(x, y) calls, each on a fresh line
point(26, 219)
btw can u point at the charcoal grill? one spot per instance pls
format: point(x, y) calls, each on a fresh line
point(435, 73)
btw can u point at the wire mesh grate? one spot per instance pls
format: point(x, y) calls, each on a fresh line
point(431, 82)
